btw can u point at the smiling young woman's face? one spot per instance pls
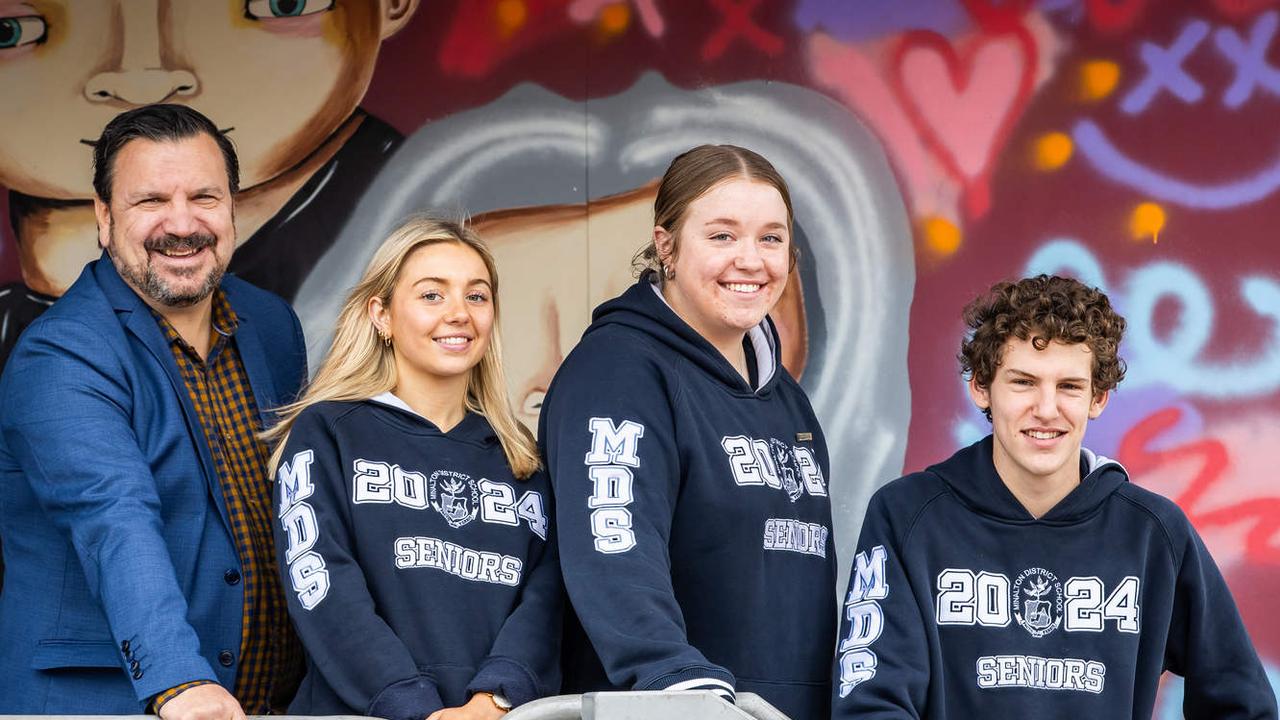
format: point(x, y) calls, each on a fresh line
point(441, 314)
point(731, 259)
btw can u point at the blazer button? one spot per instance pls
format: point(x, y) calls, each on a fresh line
point(124, 646)
point(226, 658)
point(133, 665)
point(137, 674)
point(232, 576)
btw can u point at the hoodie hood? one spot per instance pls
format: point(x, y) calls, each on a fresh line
point(643, 308)
point(472, 428)
point(971, 476)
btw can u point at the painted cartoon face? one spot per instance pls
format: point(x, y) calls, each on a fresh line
point(441, 314)
point(169, 227)
point(1040, 401)
point(279, 75)
point(731, 261)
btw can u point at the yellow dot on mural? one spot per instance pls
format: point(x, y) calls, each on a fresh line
point(941, 235)
point(511, 15)
point(1098, 78)
point(1147, 222)
point(1053, 150)
point(615, 18)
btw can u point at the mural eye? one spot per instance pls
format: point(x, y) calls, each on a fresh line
point(266, 9)
point(19, 31)
point(532, 404)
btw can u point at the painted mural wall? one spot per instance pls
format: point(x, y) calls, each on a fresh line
point(933, 147)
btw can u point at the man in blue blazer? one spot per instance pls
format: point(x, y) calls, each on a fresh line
point(124, 531)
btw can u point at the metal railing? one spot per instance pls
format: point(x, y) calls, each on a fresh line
point(701, 705)
point(691, 705)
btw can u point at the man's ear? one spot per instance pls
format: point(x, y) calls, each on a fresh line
point(395, 15)
point(981, 396)
point(102, 212)
point(1099, 404)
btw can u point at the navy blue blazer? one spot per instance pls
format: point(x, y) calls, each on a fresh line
point(117, 547)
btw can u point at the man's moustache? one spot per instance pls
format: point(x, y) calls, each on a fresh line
point(195, 241)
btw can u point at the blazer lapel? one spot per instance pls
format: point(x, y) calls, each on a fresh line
point(139, 322)
point(254, 356)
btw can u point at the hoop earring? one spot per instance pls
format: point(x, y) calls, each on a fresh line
point(386, 339)
point(667, 272)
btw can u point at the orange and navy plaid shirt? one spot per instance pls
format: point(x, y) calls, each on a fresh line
point(270, 661)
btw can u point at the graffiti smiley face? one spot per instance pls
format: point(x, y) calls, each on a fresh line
point(281, 75)
point(1193, 69)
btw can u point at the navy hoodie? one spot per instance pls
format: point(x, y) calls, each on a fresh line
point(417, 569)
point(694, 520)
point(962, 605)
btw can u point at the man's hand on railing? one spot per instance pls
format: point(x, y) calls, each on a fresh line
point(480, 707)
point(202, 702)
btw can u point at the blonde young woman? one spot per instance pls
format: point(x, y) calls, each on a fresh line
point(413, 520)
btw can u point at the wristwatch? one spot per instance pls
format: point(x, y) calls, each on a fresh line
point(501, 702)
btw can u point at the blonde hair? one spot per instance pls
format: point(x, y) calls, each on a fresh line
point(360, 366)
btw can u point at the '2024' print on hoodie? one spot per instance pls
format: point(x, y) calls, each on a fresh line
point(1035, 599)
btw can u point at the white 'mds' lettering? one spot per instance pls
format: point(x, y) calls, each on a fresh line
point(856, 667)
point(295, 480)
point(614, 443)
point(612, 446)
point(868, 585)
point(610, 486)
point(300, 527)
point(869, 576)
point(310, 579)
point(866, 622)
point(612, 528)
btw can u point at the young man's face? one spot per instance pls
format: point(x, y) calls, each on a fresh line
point(1040, 401)
point(279, 84)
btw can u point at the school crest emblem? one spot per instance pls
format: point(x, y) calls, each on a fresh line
point(1037, 601)
point(454, 496)
point(788, 470)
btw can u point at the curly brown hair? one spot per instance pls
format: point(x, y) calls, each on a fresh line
point(1042, 309)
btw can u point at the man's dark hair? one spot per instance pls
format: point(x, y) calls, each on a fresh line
point(1042, 309)
point(163, 122)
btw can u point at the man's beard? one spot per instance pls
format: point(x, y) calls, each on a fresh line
point(150, 284)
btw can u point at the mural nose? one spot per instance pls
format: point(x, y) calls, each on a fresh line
point(141, 87)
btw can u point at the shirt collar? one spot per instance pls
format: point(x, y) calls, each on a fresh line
point(224, 321)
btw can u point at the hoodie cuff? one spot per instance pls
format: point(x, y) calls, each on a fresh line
point(507, 678)
point(411, 699)
point(716, 679)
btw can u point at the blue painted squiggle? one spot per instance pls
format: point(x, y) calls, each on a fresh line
point(1174, 360)
point(1112, 163)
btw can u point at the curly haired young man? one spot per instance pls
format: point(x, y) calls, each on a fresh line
point(1026, 576)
